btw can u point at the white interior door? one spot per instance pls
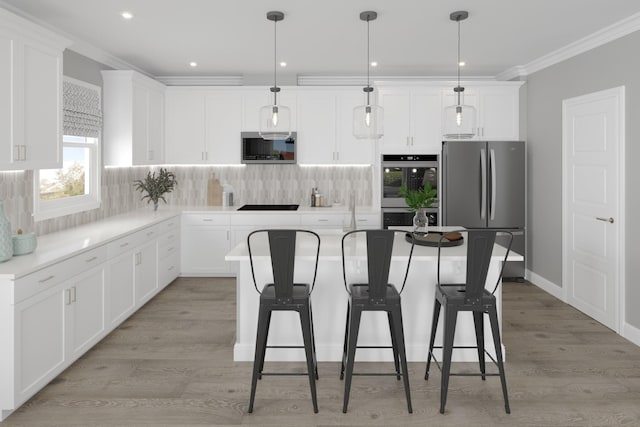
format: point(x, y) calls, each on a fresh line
point(593, 144)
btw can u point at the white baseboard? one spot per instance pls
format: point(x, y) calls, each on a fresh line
point(631, 333)
point(545, 285)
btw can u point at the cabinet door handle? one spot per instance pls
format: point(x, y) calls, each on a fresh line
point(610, 220)
point(170, 268)
point(124, 245)
point(207, 219)
point(16, 153)
point(228, 235)
point(150, 154)
point(46, 279)
point(408, 141)
point(412, 141)
point(150, 233)
point(337, 155)
point(73, 293)
point(91, 259)
point(323, 220)
point(24, 152)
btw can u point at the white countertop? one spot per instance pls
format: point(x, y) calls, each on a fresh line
point(331, 248)
point(56, 247)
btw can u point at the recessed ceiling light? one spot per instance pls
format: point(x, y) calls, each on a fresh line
point(193, 64)
point(374, 63)
point(127, 15)
point(462, 63)
point(283, 64)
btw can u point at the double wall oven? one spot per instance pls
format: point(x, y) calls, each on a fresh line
point(413, 170)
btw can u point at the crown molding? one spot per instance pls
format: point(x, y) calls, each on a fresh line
point(599, 38)
point(200, 80)
point(360, 80)
point(517, 72)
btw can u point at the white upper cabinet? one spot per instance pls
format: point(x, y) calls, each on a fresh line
point(497, 108)
point(325, 130)
point(30, 95)
point(203, 125)
point(223, 123)
point(412, 119)
point(133, 119)
point(185, 125)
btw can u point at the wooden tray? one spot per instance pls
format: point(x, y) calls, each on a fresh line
point(432, 239)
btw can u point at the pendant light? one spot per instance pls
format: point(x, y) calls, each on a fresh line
point(275, 119)
point(367, 119)
point(459, 120)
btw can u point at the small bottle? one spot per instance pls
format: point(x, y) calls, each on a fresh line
point(313, 197)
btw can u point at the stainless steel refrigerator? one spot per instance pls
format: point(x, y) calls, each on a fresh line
point(483, 185)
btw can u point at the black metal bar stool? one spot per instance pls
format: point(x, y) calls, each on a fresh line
point(469, 296)
point(375, 295)
point(283, 294)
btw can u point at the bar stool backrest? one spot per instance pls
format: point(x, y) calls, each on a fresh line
point(480, 243)
point(379, 251)
point(282, 247)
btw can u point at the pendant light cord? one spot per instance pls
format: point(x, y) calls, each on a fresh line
point(368, 62)
point(458, 19)
point(275, 56)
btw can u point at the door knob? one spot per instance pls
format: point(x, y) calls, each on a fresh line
point(605, 219)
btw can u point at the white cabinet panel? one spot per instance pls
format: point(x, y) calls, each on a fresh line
point(86, 311)
point(223, 127)
point(317, 130)
point(41, 349)
point(133, 119)
point(205, 240)
point(499, 113)
point(185, 126)
point(30, 95)
point(146, 272)
point(121, 288)
point(412, 120)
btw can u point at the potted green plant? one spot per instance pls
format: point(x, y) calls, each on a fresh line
point(418, 200)
point(156, 186)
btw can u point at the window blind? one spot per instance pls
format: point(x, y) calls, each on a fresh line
point(81, 110)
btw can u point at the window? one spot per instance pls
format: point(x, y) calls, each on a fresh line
point(76, 186)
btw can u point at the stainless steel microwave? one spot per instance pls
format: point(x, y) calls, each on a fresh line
point(255, 149)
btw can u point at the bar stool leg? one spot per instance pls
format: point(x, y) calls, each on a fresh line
point(451, 315)
point(478, 321)
point(394, 345)
point(305, 322)
point(261, 345)
point(352, 341)
point(399, 333)
point(495, 329)
point(264, 348)
point(344, 347)
point(313, 341)
point(434, 328)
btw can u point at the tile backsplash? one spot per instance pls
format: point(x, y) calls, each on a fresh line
point(251, 184)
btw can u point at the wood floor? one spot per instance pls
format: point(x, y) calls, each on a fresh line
point(171, 365)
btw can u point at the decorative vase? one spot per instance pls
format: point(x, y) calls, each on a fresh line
point(155, 205)
point(6, 239)
point(420, 221)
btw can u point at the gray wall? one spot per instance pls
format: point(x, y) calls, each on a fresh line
point(614, 64)
point(82, 68)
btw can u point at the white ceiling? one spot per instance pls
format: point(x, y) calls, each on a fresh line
point(324, 38)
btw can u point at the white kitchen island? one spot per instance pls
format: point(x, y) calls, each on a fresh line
point(329, 300)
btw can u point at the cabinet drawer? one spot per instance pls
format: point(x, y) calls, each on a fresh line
point(47, 277)
point(169, 225)
point(164, 250)
point(322, 220)
point(367, 221)
point(169, 238)
point(204, 219)
point(262, 220)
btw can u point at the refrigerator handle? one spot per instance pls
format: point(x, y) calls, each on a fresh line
point(483, 181)
point(494, 182)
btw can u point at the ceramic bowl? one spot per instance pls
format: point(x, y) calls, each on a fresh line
point(24, 243)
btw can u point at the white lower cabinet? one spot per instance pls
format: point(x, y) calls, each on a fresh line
point(49, 318)
point(206, 239)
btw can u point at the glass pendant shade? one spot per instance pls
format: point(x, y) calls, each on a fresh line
point(368, 122)
point(275, 122)
point(459, 121)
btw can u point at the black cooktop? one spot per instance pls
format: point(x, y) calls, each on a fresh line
point(268, 208)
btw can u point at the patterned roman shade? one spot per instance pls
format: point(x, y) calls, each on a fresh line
point(82, 112)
